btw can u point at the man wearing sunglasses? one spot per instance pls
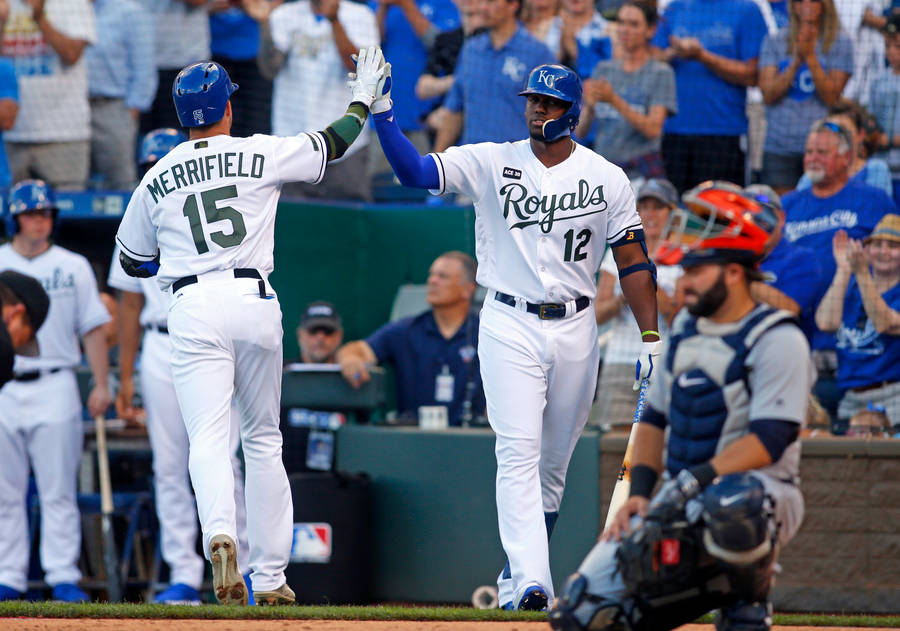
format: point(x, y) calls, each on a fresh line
point(320, 333)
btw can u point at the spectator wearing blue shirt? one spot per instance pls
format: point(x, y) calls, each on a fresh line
point(434, 354)
point(863, 306)
point(491, 71)
point(803, 69)
point(793, 278)
point(884, 101)
point(713, 46)
point(121, 84)
point(234, 42)
point(9, 107)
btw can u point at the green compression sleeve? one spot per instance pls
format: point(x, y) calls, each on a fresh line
point(341, 133)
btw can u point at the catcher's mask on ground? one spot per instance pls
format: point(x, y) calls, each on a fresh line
point(718, 224)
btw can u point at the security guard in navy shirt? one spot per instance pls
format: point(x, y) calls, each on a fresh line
point(434, 354)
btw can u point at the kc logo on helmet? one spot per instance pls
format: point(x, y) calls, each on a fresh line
point(547, 78)
point(198, 116)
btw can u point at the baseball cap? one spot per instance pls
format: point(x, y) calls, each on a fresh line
point(888, 228)
point(660, 189)
point(36, 302)
point(892, 27)
point(320, 313)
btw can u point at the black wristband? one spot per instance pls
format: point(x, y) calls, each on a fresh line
point(704, 473)
point(643, 479)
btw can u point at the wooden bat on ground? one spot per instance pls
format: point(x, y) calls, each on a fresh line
point(110, 551)
point(623, 480)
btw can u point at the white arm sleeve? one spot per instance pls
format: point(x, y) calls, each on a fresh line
point(91, 311)
point(137, 235)
point(622, 213)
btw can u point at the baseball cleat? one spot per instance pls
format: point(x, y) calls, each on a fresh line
point(534, 599)
point(281, 596)
point(69, 593)
point(227, 580)
point(178, 594)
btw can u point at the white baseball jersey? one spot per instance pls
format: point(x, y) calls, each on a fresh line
point(540, 232)
point(156, 301)
point(209, 204)
point(75, 307)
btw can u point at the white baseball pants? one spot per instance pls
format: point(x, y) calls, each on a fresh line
point(539, 380)
point(175, 507)
point(40, 424)
point(226, 341)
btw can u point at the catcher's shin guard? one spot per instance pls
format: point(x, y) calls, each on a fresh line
point(578, 610)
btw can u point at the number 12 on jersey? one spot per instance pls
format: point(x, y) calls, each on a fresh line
point(583, 237)
point(210, 199)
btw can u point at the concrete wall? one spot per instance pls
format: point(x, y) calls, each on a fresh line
point(846, 556)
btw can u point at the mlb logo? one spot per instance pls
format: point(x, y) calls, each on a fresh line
point(312, 543)
point(198, 116)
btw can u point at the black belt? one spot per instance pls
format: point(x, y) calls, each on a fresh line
point(34, 375)
point(545, 310)
point(159, 328)
point(239, 272)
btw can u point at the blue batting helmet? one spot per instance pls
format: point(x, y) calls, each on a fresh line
point(29, 195)
point(561, 83)
point(158, 143)
point(200, 92)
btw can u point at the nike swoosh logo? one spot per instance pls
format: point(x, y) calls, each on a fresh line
point(728, 501)
point(686, 382)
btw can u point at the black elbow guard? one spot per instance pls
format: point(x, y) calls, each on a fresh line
point(139, 269)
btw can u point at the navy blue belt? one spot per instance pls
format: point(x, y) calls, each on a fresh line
point(544, 310)
point(239, 272)
point(34, 375)
point(159, 328)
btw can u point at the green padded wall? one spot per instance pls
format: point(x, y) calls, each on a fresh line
point(356, 256)
point(435, 519)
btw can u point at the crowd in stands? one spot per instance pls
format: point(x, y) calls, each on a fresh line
point(800, 96)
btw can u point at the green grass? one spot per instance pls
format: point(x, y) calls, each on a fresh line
point(375, 612)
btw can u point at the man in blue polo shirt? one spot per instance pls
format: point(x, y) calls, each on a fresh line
point(490, 72)
point(434, 354)
point(713, 46)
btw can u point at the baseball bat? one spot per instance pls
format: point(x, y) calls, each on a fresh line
point(623, 480)
point(110, 551)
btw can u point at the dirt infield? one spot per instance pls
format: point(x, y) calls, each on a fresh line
point(91, 624)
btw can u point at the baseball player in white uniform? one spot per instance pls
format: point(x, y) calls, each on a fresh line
point(143, 305)
point(40, 410)
point(545, 210)
point(203, 219)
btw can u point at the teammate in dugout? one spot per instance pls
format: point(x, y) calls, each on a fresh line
point(40, 410)
point(145, 306)
point(23, 309)
point(545, 210)
point(203, 220)
point(721, 422)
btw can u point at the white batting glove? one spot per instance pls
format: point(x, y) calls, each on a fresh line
point(382, 102)
point(369, 71)
point(645, 363)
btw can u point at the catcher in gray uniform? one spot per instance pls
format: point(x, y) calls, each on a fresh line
point(721, 425)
